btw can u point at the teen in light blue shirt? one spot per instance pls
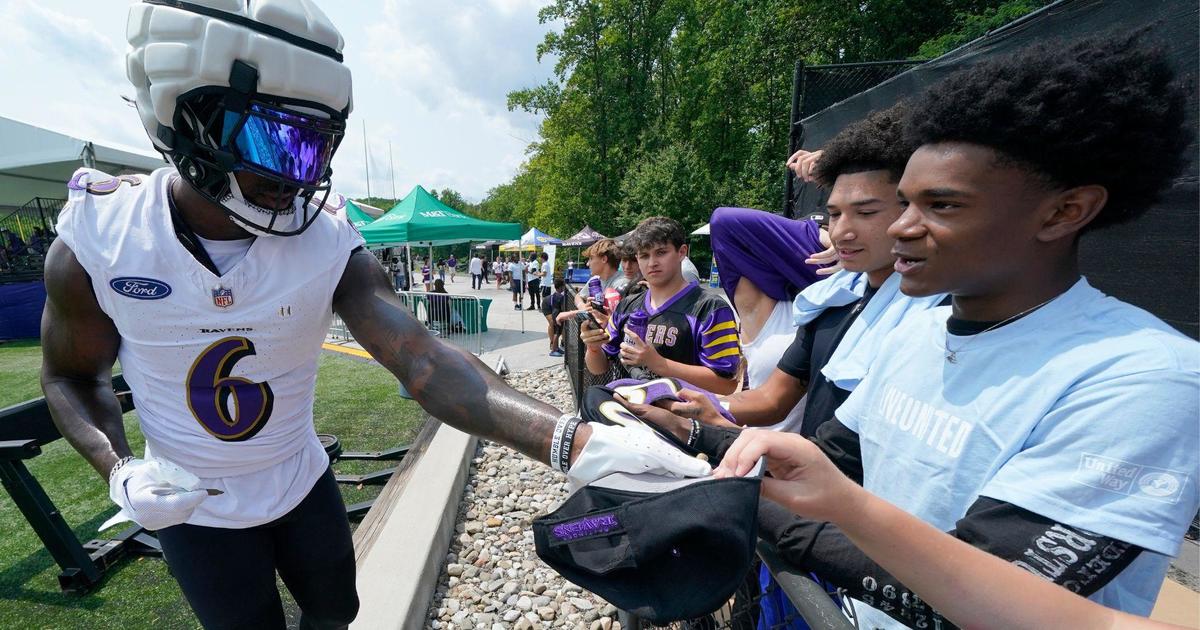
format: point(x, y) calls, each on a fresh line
point(1035, 418)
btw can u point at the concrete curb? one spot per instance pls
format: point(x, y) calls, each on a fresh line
point(397, 578)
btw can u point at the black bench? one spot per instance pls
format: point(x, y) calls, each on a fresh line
point(24, 429)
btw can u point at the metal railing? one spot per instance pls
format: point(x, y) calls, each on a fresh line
point(791, 600)
point(458, 319)
point(25, 236)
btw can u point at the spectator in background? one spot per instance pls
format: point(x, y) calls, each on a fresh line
point(498, 271)
point(427, 274)
point(516, 284)
point(691, 332)
point(38, 241)
point(452, 265)
point(552, 305)
point(547, 275)
point(441, 269)
point(397, 274)
point(533, 283)
point(441, 313)
point(475, 268)
point(603, 260)
point(632, 273)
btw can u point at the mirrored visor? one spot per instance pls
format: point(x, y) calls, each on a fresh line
point(294, 146)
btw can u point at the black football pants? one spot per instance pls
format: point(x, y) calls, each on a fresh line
point(228, 575)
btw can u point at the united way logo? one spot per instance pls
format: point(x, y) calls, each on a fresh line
point(222, 297)
point(1127, 478)
point(140, 288)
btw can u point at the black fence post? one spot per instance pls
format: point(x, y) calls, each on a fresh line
point(795, 137)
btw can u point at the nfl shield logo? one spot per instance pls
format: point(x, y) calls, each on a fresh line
point(222, 297)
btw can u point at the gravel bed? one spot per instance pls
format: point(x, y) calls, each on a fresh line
point(493, 579)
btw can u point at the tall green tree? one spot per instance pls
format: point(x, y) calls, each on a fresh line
point(675, 106)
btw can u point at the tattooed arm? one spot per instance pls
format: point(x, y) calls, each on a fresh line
point(450, 383)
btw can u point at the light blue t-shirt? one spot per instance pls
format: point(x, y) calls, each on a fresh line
point(1086, 411)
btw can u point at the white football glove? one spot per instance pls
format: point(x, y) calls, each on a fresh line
point(155, 493)
point(630, 449)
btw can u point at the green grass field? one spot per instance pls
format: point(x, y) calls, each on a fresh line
point(355, 400)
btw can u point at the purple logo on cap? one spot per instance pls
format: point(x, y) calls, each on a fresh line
point(586, 526)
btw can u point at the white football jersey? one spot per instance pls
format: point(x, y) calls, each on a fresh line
point(222, 369)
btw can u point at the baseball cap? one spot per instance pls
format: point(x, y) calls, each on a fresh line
point(662, 548)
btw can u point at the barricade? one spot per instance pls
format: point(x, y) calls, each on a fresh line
point(459, 319)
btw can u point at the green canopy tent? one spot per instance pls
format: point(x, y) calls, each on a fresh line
point(357, 216)
point(420, 219)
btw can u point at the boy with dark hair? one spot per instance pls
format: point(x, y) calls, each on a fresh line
point(690, 332)
point(1036, 418)
point(837, 323)
point(631, 272)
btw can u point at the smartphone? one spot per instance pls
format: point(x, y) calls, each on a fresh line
point(585, 316)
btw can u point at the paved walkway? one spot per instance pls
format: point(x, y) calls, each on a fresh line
point(517, 336)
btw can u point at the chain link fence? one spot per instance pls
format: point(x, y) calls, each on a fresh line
point(816, 88)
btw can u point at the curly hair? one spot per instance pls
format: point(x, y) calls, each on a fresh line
point(1100, 111)
point(875, 143)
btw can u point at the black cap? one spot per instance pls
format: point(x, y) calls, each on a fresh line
point(662, 548)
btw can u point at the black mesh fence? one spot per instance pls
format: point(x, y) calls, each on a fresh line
point(817, 88)
point(825, 86)
point(1117, 259)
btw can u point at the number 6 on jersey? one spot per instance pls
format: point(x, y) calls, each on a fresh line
point(210, 388)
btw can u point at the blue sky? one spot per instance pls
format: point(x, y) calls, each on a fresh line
point(431, 77)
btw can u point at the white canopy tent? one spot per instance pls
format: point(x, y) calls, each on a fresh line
point(37, 162)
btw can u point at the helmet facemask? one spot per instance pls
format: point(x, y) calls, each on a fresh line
point(220, 131)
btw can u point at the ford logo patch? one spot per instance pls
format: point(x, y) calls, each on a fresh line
point(140, 288)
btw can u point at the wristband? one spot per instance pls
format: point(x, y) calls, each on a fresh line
point(560, 445)
point(564, 461)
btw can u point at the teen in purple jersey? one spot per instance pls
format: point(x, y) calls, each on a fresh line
point(691, 333)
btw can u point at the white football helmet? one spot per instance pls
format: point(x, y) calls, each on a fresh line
point(243, 85)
